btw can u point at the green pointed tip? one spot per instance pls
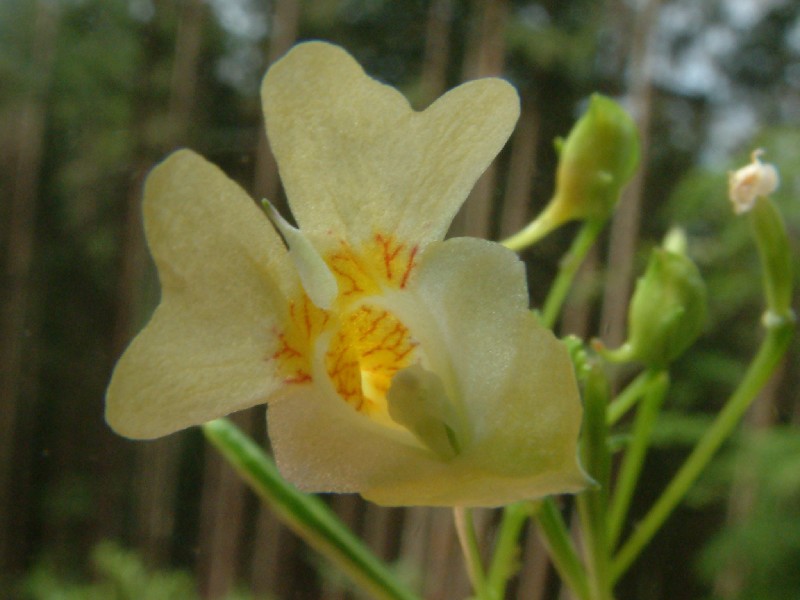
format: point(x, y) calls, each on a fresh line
point(669, 306)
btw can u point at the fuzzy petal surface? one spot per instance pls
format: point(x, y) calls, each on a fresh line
point(510, 379)
point(355, 158)
point(223, 273)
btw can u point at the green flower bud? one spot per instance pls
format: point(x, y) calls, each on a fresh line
point(668, 308)
point(596, 160)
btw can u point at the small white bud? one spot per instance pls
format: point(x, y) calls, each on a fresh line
point(750, 182)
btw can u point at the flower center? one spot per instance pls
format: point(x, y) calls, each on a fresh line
point(367, 354)
point(367, 344)
point(368, 348)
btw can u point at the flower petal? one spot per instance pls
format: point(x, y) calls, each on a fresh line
point(514, 378)
point(467, 308)
point(355, 158)
point(223, 273)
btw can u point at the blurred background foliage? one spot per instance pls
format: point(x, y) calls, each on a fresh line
point(94, 92)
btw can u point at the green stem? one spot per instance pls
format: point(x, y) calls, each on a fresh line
point(626, 399)
point(568, 269)
point(593, 503)
point(547, 221)
point(533, 232)
point(772, 242)
point(772, 349)
point(561, 549)
point(306, 515)
point(507, 547)
point(634, 457)
point(465, 528)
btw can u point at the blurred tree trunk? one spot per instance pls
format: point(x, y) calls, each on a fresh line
point(382, 527)
point(154, 473)
point(157, 461)
point(115, 497)
point(484, 57)
point(221, 521)
point(521, 170)
point(275, 554)
point(429, 549)
point(285, 22)
point(274, 546)
point(624, 233)
point(17, 327)
point(744, 490)
point(436, 57)
point(349, 508)
point(535, 567)
point(415, 542)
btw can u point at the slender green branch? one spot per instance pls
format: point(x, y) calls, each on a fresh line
point(634, 457)
point(506, 551)
point(306, 515)
point(568, 268)
point(769, 231)
point(593, 503)
point(772, 349)
point(533, 232)
point(561, 549)
point(628, 398)
point(465, 528)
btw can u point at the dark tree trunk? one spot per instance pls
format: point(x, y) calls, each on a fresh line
point(484, 57)
point(157, 462)
point(18, 329)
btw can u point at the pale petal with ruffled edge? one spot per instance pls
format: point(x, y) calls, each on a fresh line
point(508, 375)
point(515, 379)
point(223, 273)
point(354, 157)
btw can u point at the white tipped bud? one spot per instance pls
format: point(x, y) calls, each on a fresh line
point(750, 182)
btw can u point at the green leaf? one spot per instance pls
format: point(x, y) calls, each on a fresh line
point(306, 515)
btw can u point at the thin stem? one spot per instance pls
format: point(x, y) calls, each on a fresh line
point(465, 528)
point(568, 268)
point(634, 457)
point(628, 398)
point(562, 550)
point(769, 354)
point(306, 515)
point(547, 221)
point(772, 242)
point(533, 232)
point(507, 546)
point(593, 503)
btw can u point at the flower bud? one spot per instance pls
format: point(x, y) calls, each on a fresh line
point(668, 308)
point(596, 160)
point(752, 181)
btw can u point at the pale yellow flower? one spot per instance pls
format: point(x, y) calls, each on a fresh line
point(394, 364)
